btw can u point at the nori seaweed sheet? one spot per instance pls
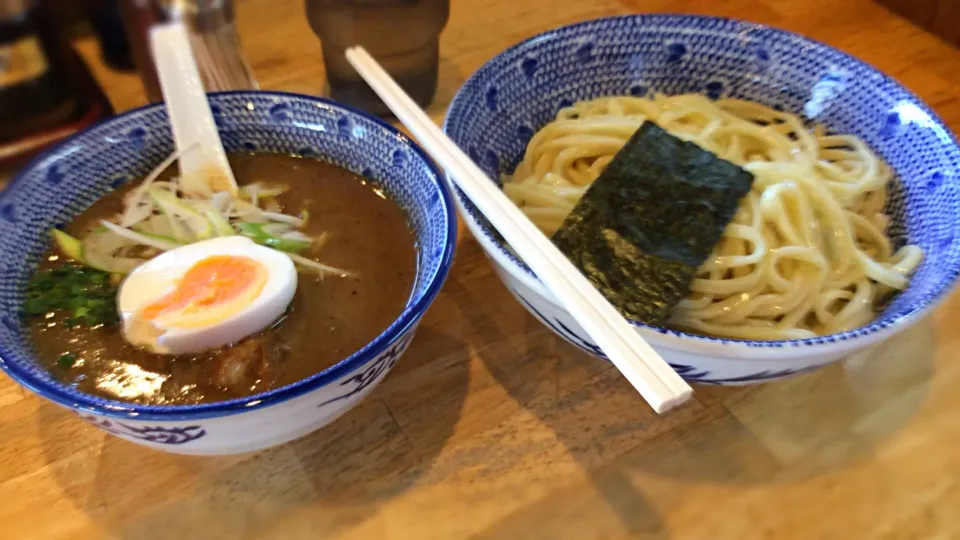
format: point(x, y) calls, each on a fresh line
point(650, 220)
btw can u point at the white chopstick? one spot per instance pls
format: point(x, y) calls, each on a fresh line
point(656, 381)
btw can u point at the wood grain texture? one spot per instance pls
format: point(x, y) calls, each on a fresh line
point(492, 428)
point(942, 17)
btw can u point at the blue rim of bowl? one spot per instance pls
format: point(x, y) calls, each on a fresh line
point(409, 317)
point(872, 329)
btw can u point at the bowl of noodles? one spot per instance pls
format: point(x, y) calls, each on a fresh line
point(848, 234)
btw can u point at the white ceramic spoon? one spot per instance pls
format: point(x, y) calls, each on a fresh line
point(204, 168)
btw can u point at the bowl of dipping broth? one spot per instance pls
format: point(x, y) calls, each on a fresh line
point(848, 234)
point(196, 316)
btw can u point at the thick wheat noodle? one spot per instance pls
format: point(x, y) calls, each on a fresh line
point(806, 254)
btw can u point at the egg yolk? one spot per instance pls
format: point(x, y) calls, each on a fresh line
point(210, 290)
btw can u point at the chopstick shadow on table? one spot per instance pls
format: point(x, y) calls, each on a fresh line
point(372, 454)
point(719, 448)
point(564, 389)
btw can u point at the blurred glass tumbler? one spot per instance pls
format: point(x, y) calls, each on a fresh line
point(403, 36)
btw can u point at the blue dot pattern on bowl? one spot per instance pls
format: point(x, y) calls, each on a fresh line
point(529, 66)
point(675, 54)
point(271, 122)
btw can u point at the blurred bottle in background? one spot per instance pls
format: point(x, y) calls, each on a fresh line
point(138, 17)
point(35, 91)
point(403, 36)
point(108, 24)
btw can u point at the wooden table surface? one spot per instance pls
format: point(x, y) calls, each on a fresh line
point(491, 427)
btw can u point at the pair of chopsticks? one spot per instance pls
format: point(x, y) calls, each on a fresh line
point(656, 381)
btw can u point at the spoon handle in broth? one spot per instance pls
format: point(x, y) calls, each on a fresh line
point(204, 169)
point(656, 381)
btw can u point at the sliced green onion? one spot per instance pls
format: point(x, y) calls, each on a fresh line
point(283, 218)
point(137, 195)
point(169, 202)
point(256, 191)
point(157, 225)
point(77, 250)
point(256, 232)
point(221, 225)
point(320, 241)
point(70, 246)
point(100, 248)
point(320, 268)
point(159, 242)
point(177, 228)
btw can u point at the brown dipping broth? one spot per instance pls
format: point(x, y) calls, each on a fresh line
point(329, 319)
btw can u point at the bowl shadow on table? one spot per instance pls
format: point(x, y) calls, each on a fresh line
point(801, 427)
point(330, 479)
point(779, 432)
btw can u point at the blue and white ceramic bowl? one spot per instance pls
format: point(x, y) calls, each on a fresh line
point(509, 98)
point(61, 183)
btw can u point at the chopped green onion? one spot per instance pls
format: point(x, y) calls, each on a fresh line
point(67, 360)
point(85, 295)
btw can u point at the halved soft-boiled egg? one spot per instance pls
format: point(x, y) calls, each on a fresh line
point(205, 295)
